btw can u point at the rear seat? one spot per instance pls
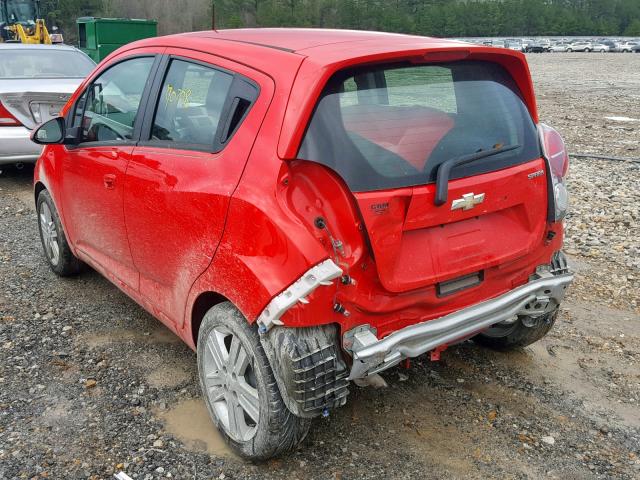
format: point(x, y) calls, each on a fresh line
point(410, 132)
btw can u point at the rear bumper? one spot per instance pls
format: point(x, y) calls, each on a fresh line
point(16, 146)
point(541, 295)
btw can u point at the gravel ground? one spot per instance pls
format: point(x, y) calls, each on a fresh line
point(90, 384)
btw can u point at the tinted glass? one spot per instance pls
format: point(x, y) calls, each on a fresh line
point(191, 104)
point(113, 100)
point(44, 63)
point(392, 126)
point(21, 10)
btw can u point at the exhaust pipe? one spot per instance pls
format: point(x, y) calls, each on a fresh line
point(19, 166)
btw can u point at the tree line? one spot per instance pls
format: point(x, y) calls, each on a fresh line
point(442, 18)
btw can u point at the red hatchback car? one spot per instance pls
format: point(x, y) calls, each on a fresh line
point(307, 208)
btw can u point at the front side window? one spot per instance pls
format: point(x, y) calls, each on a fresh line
point(392, 126)
point(112, 101)
point(191, 104)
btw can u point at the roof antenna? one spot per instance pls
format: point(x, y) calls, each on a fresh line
point(213, 15)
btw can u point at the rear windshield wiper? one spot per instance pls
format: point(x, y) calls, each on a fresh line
point(444, 169)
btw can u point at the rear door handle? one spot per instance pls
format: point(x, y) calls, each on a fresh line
point(109, 181)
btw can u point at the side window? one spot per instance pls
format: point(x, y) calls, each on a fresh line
point(112, 101)
point(191, 104)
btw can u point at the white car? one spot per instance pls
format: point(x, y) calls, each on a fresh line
point(627, 47)
point(579, 47)
point(559, 47)
point(600, 47)
point(35, 83)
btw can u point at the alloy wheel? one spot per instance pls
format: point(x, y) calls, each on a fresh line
point(49, 234)
point(231, 384)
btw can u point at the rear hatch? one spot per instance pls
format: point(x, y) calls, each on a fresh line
point(37, 80)
point(389, 130)
point(33, 102)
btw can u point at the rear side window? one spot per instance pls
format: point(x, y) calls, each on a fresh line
point(392, 126)
point(191, 104)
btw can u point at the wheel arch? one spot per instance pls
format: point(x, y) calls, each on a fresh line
point(202, 304)
point(37, 188)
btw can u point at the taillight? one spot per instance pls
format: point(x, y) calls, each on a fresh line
point(557, 157)
point(7, 119)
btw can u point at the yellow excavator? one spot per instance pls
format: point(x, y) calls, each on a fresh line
point(20, 22)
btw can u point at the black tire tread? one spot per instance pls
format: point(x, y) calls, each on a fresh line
point(283, 430)
point(69, 264)
point(519, 337)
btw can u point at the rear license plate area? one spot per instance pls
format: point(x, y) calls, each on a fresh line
point(456, 285)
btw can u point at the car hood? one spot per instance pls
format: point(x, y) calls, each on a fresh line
point(33, 101)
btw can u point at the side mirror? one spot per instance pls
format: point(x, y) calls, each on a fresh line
point(50, 132)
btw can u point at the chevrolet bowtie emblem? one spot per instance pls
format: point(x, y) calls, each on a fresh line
point(467, 202)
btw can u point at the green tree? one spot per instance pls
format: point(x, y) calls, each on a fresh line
point(63, 14)
point(633, 30)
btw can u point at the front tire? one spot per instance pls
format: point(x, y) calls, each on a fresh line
point(504, 337)
point(240, 390)
point(54, 242)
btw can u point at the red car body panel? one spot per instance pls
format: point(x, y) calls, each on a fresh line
point(92, 192)
point(416, 244)
point(240, 224)
point(176, 202)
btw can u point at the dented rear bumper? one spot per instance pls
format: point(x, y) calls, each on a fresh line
point(542, 294)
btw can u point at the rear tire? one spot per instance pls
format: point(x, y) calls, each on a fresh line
point(516, 335)
point(54, 242)
point(240, 389)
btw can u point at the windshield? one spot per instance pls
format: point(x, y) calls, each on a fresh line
point(20, 11)
point(44, 63)
point(392, 126)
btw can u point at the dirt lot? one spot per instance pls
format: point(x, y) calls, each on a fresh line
point(91, 384)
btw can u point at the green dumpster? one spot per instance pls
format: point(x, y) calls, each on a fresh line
point(98, 37)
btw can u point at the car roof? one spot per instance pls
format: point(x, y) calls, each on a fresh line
point(299, 39)
point(279, 51)
point(312, 43)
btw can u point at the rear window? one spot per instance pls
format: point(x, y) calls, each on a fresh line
point(392, 126)
point(26, 63)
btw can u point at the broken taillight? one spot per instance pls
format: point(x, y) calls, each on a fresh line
point(557, 157)
point(7, 119)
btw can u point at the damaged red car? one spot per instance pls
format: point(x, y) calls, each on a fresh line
point(308, 208)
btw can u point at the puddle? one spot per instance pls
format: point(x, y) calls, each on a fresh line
point(168, 377)
point(189, 422)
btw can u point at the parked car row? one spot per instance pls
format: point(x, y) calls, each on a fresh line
point(601, 45)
